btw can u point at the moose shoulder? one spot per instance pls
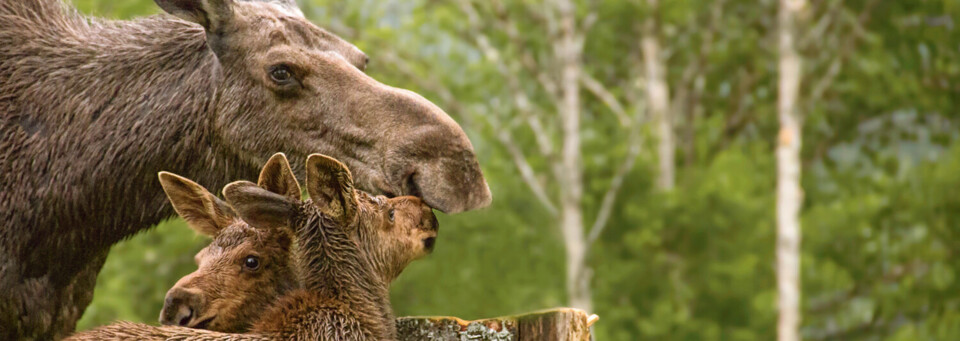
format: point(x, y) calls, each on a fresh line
point(91, 110)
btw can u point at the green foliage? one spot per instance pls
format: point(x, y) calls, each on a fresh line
point(695, 263)
point(116, 9)
point(881, 217)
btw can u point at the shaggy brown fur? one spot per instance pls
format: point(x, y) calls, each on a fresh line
point(91, 109)
point(223, 294)
point(344, 295)
point(241, 272)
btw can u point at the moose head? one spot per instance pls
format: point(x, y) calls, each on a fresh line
point(286, 84)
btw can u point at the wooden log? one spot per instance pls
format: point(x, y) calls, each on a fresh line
point(562, 324)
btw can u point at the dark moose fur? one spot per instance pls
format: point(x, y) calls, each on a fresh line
point(91, 110)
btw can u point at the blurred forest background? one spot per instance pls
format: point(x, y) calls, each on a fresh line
point(630, 147)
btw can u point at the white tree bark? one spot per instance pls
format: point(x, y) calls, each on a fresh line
point(568, 51)
point(658, 97)
point(789, 192)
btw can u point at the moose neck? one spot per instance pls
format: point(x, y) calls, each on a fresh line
point(332, 265)
point(118, 102)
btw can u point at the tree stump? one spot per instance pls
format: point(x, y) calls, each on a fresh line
point(560, 324)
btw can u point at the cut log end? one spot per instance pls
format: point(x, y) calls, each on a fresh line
point(547, 325)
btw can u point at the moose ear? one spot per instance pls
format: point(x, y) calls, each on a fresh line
point(259, 207)
point(211, 14)
point(330, 185)
point(277, 177)
point(290, 5)
point(203, 211)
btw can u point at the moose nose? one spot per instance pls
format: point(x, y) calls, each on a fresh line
point(179, 307)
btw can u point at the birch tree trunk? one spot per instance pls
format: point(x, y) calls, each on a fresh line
point(789, 193)
point(658, 97)
point(568, 51)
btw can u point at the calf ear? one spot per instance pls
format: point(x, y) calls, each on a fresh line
point(203, 211)
point(259, 207)
point(330, 185)
point(211, 14)
point(277, 177)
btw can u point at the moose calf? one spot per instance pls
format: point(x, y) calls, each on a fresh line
point(350, 245)
point(239, 274)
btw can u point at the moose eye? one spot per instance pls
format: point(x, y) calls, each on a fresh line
point(391, 214)
point(251, 263)
point(281, 74)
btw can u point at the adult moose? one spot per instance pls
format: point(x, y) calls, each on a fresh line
point(91, 110)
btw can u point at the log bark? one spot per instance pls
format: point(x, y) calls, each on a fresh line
point(547, 325)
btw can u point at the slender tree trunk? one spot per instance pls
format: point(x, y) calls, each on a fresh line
point(568, 52)
point(789, 193)
point(658, 97)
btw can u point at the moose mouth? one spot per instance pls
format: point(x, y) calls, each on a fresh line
point(448, 183)
point(410, 186)
point(407, 186)
point(204, 323)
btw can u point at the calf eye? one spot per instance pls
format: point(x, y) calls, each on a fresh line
point(251, 263)
point(391, 214)
point(281, 74)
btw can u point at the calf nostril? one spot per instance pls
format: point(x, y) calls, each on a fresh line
point(184, 313)
point(429, 243)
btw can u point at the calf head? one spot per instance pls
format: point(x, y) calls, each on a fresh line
point(239, 274)
point(286, 84)
point(388, 233)
point(391, 232)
